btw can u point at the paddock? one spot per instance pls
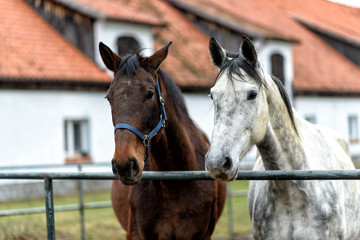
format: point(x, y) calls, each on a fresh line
point(48, 178)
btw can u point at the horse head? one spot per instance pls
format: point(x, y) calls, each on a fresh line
point(240, 104)
point(137, 109)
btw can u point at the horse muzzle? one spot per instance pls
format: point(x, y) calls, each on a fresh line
point(128, 173)
point(220, 167)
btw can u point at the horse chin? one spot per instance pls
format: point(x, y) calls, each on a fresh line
point(130, 181)
point(227, 176)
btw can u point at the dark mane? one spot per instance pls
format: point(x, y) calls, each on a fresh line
point(237, 63)
point(174, 95)
point(286, 99)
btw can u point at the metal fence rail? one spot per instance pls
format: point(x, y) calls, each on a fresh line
point(62, 208)
point(195, 175)
point(174, 175)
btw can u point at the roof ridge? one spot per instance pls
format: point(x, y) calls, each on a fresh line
point(314, 26)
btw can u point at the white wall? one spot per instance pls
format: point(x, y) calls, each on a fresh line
point(200, 109)
point(352, 3)
point(108, 32)
point(333, 113)
point(32, 125)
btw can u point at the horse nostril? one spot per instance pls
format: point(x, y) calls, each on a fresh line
point(227, 164)
point(116, 168)
point(134, 166)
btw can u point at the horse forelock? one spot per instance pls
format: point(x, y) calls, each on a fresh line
point(128, 64)
point(234, 65)
point(131, 62)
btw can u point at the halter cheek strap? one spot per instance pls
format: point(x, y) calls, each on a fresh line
point(147, 138)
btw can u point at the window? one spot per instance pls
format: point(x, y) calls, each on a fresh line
point(353, 129)
point(127, 45)
point(77, 141)
point(277, 67)
point(311, 118)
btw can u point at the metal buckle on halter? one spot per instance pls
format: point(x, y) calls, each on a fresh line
point(162, 101)
point(162, 118)
point(146, 140)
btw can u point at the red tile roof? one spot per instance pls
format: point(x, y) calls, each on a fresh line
point(318, 67)
point(123, 10)
point(43, 53)
point(339, 19)
point(31, 49)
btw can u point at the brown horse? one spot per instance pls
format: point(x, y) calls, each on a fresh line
point(139, 95)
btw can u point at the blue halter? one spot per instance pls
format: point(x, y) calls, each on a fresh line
point(147, 138)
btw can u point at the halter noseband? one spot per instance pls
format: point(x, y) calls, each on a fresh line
point(147, 138)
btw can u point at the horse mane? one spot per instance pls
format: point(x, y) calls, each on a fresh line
point(234, 66)
point(131, 62)
point(286, 99)
point(174, 95)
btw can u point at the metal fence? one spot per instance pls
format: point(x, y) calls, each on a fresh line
point(174, 175)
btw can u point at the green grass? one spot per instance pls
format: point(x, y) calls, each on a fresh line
point(100, 223)
point(241, 217)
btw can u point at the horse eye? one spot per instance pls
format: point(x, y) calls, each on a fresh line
point(149, 95)
point(252, 95)
point(210, 95)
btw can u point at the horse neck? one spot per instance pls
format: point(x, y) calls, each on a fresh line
point(281, 148)
point(174, 150)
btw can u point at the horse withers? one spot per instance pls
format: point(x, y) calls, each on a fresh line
point(253, 108)
point(153, 131)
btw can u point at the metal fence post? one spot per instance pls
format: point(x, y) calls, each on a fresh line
point(81, 205)
point(49, 201)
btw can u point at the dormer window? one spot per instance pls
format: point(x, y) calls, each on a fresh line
point(277, 66)
point(127, 45)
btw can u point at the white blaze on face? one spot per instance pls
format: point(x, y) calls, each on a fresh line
point(240, 121)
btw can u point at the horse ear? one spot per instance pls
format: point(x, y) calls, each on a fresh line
point(217, 53)
point(248, 51)
point(158, 57)
point(111, 59)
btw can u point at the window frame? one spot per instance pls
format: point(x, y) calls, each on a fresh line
point(353, 128)
point(74, 153)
